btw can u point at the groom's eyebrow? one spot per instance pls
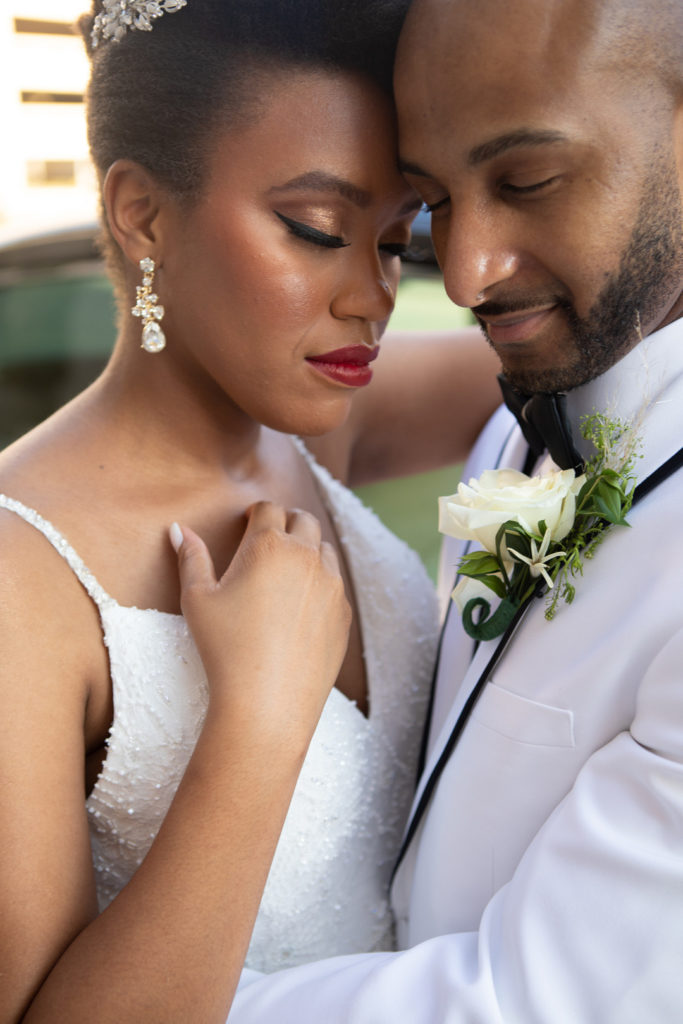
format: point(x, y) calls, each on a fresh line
point(323, 181)
point(522, 138)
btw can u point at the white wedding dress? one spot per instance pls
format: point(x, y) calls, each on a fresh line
point(327, 892)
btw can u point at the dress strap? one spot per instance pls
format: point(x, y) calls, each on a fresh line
point(63, 548)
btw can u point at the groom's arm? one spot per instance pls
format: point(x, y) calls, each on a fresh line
point(590, 928)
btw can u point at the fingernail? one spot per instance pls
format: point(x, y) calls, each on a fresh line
point(176, 536)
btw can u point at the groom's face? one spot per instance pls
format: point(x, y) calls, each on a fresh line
point(553, 177)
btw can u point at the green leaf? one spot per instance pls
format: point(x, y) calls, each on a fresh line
point(608, 486)
point(495, 584)
point(513, 535)
point(610, 476)
point(608, 504)
point(512, 528)
point(478, 563)
point(490, 580)
point(586, 492)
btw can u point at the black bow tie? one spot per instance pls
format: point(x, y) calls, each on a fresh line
point(543, 421)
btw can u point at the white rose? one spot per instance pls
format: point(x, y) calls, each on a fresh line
point(479, 508)
point(467, 589)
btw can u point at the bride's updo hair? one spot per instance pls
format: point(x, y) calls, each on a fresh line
point(156, 97)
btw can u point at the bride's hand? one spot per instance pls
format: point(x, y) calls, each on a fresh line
point(272, 632)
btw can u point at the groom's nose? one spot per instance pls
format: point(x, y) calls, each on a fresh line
point(476, 250)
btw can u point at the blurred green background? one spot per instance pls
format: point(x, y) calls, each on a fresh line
point(409, 505)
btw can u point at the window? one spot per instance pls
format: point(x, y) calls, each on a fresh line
point(51, 172)
point(33, 96)
point(48, 28)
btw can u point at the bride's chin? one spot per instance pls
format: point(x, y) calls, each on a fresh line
point(314, 421)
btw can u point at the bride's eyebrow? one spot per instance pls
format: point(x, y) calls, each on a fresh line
point(322, 181)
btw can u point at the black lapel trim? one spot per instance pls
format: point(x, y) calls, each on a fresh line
point(642, 490)
point(655, 479)
point(432, 692)
point(458, 728)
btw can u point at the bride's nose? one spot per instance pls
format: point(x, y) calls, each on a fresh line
point(364, 292)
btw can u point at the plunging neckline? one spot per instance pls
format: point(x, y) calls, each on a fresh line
point(322, 480)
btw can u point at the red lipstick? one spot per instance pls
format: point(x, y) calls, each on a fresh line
point(348, 365)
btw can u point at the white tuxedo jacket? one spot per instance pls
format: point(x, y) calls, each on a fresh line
point(545, 880)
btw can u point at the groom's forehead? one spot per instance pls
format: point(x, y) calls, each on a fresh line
point(469, 69)
point(451, 41)
point(449, 45)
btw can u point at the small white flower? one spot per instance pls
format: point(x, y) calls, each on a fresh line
point(540, 558)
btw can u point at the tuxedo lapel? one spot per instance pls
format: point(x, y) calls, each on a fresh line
point(458, 658)
point(634, 387)
point(456, 647)
point(487, 657)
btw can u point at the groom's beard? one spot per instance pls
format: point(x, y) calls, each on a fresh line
point(649, 277)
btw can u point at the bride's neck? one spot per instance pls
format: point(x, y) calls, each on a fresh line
point(167, 416)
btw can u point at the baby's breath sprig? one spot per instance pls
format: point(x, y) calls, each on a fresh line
point(603, 501)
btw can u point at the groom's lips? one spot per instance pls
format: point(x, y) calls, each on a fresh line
point(347, 366)
point(515, 327)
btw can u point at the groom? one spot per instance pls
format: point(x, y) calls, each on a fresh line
point(542, 877)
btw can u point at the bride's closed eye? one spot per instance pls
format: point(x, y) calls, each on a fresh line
point(311, 234)
point(328, 241)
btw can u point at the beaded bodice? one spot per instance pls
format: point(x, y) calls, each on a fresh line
point(327, 889)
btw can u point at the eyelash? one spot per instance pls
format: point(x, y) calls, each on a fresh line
point(522, 190)
point(309, 234)
point(312, 235)
point(514, 190)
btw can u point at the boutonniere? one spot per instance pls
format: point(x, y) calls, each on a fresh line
point(535, 531)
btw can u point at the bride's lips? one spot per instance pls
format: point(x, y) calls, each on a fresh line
point(346, 365)
point(515, 327)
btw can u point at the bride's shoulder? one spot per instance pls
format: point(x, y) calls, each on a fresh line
point(41, 467)
point(39, 475)
point(43, 450)
point(36, 588)
point(49, 633)
point(49, 628)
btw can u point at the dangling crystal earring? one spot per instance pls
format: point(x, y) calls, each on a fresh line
point(153, 338)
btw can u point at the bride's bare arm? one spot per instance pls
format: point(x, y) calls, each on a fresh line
point(430, 396)
point(170, 946)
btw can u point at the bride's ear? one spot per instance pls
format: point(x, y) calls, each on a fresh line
point(133, 202)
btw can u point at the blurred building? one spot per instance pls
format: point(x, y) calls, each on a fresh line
point(45, 173)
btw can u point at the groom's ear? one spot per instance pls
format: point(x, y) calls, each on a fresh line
point(133, 201)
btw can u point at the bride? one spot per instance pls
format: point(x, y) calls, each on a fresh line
point(253, 222)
